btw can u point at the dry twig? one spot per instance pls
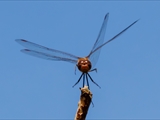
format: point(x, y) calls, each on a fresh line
point(84, 103)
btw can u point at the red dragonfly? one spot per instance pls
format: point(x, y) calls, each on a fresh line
point(84, 64)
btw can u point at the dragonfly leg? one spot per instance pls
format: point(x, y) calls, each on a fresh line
point(93, 80)
point(84, 79)
point(78, 80)
point(95, 69)
point(92, 103)
point(87, 81)
point(75, 70)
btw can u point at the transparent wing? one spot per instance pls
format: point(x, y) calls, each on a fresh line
point(44, 52)
point(94, 52)
point(47, 56)
point(99, 41)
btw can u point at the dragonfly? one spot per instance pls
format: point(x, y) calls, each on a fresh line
point(84, 64)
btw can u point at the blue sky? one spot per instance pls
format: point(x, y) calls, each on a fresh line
point(128, 67)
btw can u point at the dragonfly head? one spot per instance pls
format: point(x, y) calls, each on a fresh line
point(84, 64)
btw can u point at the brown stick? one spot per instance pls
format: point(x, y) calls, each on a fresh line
point(84, 103)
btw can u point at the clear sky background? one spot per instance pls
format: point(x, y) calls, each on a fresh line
point(128, 67)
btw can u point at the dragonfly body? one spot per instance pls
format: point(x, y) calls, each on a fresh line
point(84, 64)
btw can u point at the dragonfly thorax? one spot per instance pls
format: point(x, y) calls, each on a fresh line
point(84, 64)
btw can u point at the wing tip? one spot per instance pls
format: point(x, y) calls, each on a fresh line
point(137, 20)
point(134, 22)
point(25, 50)
point(106, 15)
point(20, 40)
